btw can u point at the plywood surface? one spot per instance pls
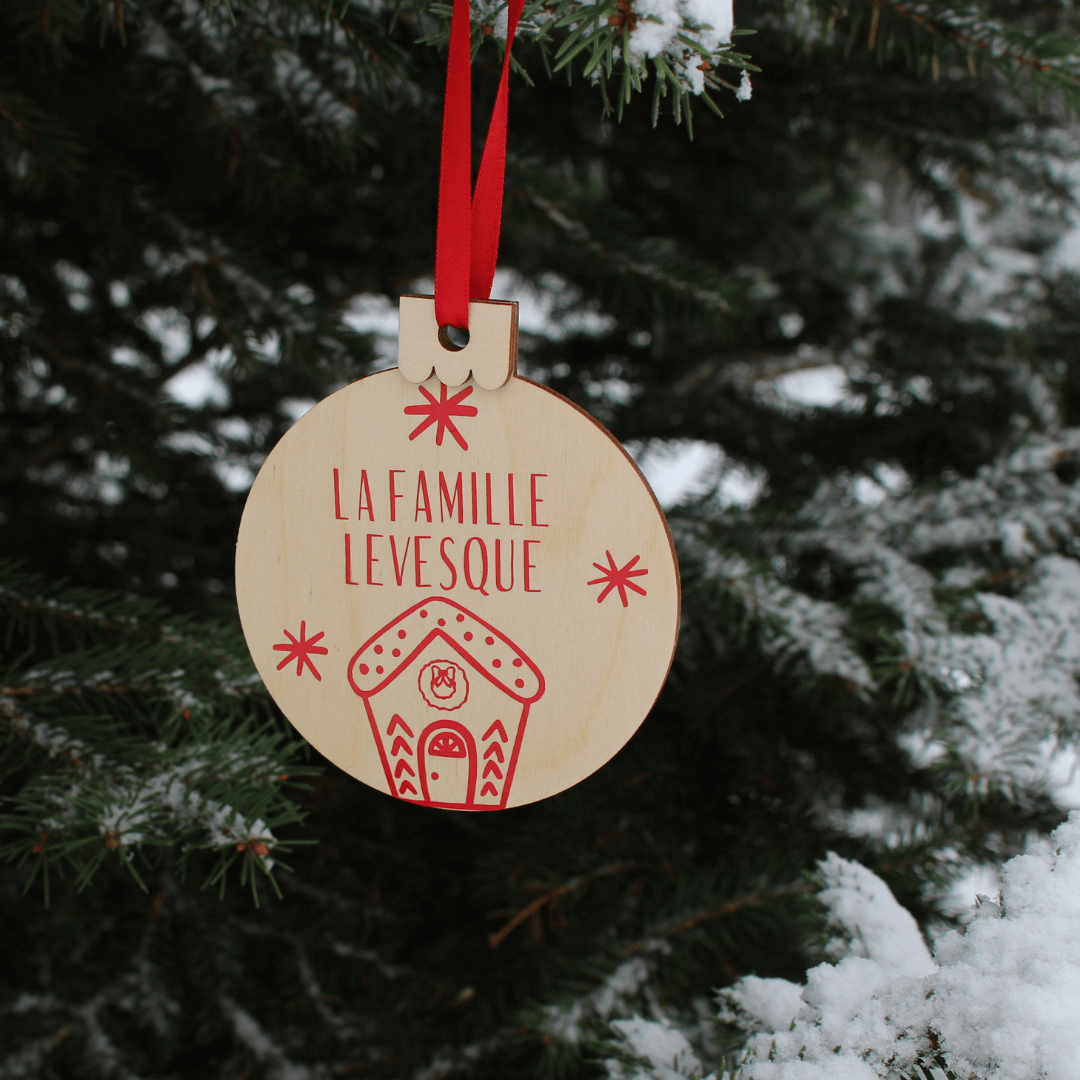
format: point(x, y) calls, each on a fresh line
point(490, 357)
point(462, 597)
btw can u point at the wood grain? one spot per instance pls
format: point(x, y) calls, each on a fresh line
point(490, 356)
point(462, 597)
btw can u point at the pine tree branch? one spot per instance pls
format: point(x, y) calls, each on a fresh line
point(1050, 58)
point(99, 375)
point(499, 936)
point(946, 32)
point(122, 752)
point(50, 146)
point(757, 898)
point(575, 231)
point(100, 613)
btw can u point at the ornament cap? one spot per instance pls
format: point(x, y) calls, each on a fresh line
point(490, 356)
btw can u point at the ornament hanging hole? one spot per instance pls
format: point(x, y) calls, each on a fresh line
point(453, 338)
point(487, 352)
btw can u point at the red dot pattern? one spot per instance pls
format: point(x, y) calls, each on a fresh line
point(466, 635)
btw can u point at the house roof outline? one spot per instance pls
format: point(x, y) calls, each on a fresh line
point(368, 684)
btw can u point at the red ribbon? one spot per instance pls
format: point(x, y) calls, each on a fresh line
point(467, 244)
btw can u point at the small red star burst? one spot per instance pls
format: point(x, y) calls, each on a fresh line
point(300, 650)
point(441, 410)
point(618, 578)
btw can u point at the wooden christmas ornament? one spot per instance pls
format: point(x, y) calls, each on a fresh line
point(459, 589)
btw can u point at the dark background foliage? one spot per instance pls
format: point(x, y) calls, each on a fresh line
point(174, 200)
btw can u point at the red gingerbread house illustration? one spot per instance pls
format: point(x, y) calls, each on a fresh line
point(447, 696)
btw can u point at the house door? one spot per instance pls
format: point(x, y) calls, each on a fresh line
point(447, 760)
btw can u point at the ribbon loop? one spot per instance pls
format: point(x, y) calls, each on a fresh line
point(467, 244)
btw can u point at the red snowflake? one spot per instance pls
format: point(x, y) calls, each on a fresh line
point(616, 577)
point(441, 410)
point(300, 650)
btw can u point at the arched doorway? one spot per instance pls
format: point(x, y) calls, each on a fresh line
point(447, 761)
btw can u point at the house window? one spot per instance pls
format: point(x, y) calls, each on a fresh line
point(447, 744)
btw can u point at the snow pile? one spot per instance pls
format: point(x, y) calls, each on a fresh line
point(660, 1045)
point(663, 27)
point(1003, 1000)
point(657, 24)
point(757, 1004)
point(872, 924)
point(999, 1000)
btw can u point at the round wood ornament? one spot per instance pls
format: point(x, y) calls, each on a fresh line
point(455, 583)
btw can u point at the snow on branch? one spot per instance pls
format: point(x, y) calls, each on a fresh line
point(574, 1020)
point(1021, 46)
point(988, 645)
point(793, 627)
point(686, 42)
point(997, 999)
point(121, 753)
